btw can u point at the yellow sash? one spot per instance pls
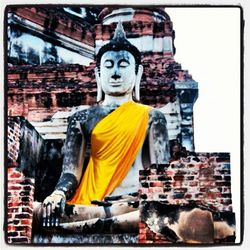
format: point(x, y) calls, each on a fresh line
point(115, 143)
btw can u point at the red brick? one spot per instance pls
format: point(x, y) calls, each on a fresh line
point(26, 222)
point(178, 177)
point(142, 225)
point(169, 173)
point(156, 184)
point(155, 190)
point(12, 187)
point(142, 238)
point(26, 234)
point(150, 235)
point(13, 204)
point(193, 183)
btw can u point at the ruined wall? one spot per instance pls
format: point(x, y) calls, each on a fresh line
point(38, 92)
point(39, 35)
point(24, 154)
point(201, 179)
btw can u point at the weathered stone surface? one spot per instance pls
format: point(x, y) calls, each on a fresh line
point(192, 224)
point(48, 35)
point(86, 239)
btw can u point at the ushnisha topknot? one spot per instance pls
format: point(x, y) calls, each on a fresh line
point(117, 43)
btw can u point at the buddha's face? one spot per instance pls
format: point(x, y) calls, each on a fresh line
point(117, 73)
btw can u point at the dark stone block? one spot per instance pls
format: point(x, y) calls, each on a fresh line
point(19, 240)
point(178, 177)
point(178, 195)
point(26, 199)
point(24, 193)
point(144, 184)
point(27, 181)
point(168, 184)
point(12, 234)
point(143, 196)
point(22, 216)
point(145, 172)
point(164, 178)
point(163, 196)
point(227, 195)
point(227, 178)
point(167, 189)
point(27, 188)
point(217, 177)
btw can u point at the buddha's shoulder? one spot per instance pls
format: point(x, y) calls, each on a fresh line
point(92, 111)
point(156, 114)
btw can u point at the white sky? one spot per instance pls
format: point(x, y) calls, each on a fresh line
point(208, 46)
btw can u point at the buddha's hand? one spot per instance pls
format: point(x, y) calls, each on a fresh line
point(53, 208)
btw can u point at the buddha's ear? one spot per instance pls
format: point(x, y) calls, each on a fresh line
point(138, 82)
point(99, 86)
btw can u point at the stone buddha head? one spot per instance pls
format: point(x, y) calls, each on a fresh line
point(119, 70)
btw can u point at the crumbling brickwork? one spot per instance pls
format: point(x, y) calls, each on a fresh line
point(20, 206)
point(14, 133)
point(21, 179)
point(53, 20)
point(147, 236)
point(201, 180)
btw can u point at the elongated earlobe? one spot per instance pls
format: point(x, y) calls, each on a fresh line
point(99, 87)
point(138, 83)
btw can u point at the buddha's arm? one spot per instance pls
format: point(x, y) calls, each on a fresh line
point(158, 138)
point(74, 149)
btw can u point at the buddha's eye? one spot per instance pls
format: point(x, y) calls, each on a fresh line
point(124, 64)
point(108, 64)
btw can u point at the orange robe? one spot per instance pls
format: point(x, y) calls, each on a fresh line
point(115, 143)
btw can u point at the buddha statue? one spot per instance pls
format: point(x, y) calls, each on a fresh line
point(124, 137)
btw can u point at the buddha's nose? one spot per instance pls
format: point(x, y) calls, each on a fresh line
point(116, 76)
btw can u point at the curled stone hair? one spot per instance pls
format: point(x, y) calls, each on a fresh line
point(117, 43)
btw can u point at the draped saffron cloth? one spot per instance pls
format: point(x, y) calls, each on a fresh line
point(115, 143)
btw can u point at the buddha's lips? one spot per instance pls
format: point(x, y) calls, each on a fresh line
point(115, 85)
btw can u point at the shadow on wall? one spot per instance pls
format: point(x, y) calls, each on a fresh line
point(49, 171)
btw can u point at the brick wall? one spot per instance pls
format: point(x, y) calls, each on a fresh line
point(24, 154)
point(20, 206)
point(202, 180)
point(147, 236)
point(57, 21)
point(14, 133)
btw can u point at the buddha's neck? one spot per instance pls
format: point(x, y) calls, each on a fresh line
point(116, 100)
